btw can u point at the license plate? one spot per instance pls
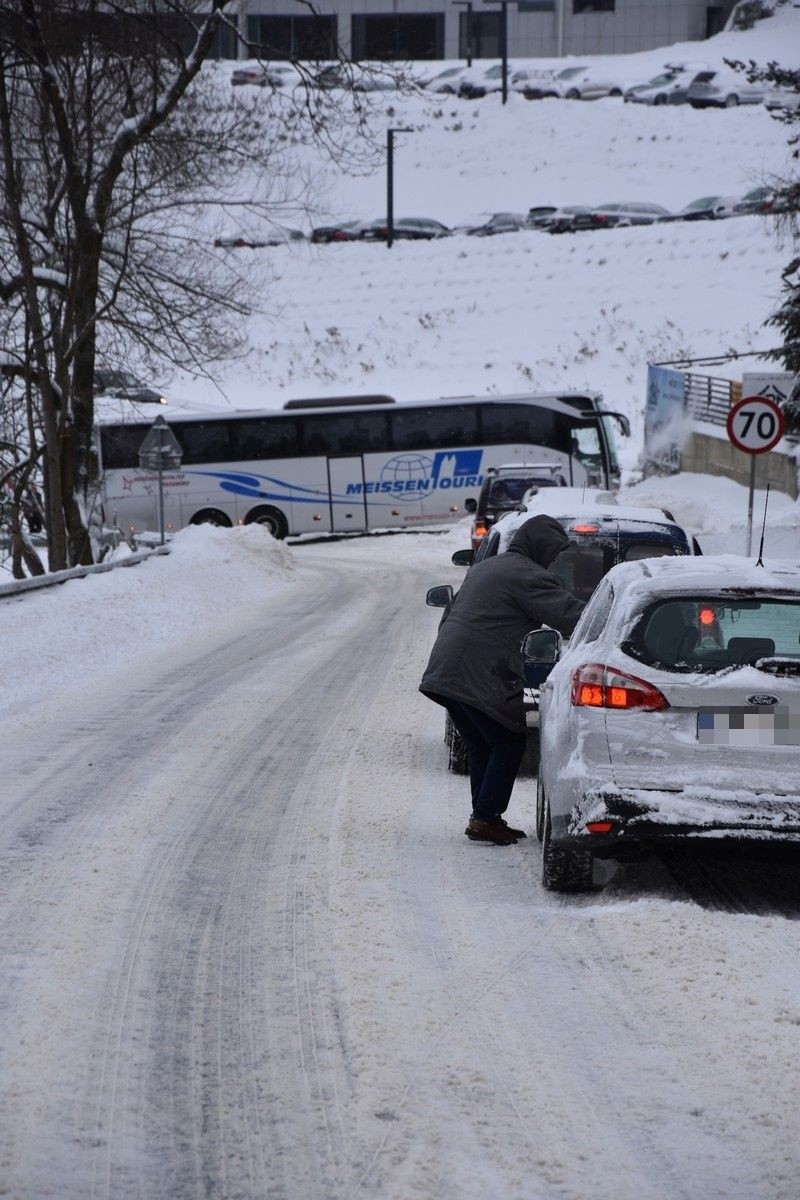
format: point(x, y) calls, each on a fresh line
point(748, 727)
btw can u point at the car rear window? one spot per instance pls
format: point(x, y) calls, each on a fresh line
point(709, 634)
point(507, 493)
point(580, 568)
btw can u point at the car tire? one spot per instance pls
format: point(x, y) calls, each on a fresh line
point(660, 100)
point(572, 94)
point(615, 92)
point(457, 759)
point(732, 101)
point(211, 516)
point(272, 519)
point(564, 869)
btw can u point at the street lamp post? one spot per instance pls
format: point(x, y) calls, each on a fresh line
point(467, 4)
point(503, 6)
point(390, 183)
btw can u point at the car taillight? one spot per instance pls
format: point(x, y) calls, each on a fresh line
point(601, 218)
point(481, 529)
point(596, 685)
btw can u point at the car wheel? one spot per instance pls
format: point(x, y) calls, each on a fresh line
point(211, 516)
point(660, 100)
point(272, 519)
point(731, 101)
point(572, 94)
point(615, 92)
point(564, 869)
point(457, 760)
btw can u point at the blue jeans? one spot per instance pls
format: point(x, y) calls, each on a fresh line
point(494, 754)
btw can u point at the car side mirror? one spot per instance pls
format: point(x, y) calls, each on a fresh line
point(542, 646)
point(440, 597)
point(470, 504)
point(696, 546)
point(463, 558)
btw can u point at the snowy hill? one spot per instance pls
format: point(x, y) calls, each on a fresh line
point(525, 310)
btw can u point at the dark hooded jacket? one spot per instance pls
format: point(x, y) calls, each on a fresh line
point(476, 657)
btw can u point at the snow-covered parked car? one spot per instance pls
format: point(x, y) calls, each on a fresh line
point(674, 713)
point(603, 533)
point(724, 89)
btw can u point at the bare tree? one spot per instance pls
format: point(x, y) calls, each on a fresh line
point(115, 149)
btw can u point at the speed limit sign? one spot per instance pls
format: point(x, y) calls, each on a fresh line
point(755, 424)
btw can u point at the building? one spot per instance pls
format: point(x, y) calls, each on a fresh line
point(436, 29)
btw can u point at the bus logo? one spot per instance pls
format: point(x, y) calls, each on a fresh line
point(410, 476)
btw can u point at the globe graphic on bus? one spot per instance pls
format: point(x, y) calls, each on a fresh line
point(401, 469)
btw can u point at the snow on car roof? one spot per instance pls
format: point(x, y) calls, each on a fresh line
point(715, 573)
point(578, 504)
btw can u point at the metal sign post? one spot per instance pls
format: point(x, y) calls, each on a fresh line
point(390, 183)
point(755, 426)
point(160, 451)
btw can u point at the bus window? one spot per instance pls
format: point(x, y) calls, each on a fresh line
point(344, 433)
point(430, 428)
point(260, 437)
point(520, 424)
point(204, 441)
point(119, 445)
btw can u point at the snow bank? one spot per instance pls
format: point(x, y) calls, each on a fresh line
point(64, 641)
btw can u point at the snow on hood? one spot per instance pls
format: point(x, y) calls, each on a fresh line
point(541, 539)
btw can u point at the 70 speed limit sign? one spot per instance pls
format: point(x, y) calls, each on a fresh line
point(755, 424)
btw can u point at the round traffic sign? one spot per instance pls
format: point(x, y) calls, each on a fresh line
point(755, 424)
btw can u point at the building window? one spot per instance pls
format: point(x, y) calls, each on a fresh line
point(390, 36)
point(225, 44)
point(529, 6)
point(486, 28)
point(592, 6)
point(282, 38)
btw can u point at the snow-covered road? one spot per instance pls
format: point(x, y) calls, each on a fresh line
point(247, 952)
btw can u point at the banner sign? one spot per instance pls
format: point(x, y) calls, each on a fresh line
point(665, 421)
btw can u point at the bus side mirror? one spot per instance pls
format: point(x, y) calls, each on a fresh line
point(440, 597)
point(463, 558)
point(470, 504)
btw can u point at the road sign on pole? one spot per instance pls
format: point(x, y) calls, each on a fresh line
point(160, 451)
point(755, 426)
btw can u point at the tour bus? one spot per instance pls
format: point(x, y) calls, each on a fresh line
point(348, 466)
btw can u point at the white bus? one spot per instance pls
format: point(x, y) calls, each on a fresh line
point(349, 466)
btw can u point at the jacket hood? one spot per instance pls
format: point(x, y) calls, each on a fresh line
point(540, 539)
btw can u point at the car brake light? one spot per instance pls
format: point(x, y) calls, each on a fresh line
point(585, 528)
point(595, 685)
point(481, 529)
point(707, 616)
point(599, 826)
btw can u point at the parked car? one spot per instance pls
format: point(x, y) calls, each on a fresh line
point(759, 200)
point(724, 89)
point(531, 78)
point(480, 82)
point(124, 385)
point(275, 75)
point(779, 99)
point(276, 235)
point(586, 83)
point(677, 707)
point(497, 223)
point(339, 231)
point(574, 218)
point(502, 491)
point(408, 228)
point(671, 86)
point(707, 208)
point(603, 534)
point(446, 82)
point(539, 215)
point(633, 212)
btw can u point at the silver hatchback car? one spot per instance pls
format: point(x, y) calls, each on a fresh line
point(674, 713)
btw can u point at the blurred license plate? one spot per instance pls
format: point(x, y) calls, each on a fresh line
point(748, 727)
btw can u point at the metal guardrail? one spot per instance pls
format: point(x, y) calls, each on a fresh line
point(42, 581)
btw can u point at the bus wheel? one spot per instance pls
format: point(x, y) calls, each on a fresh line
point(272, 519)
point(211, 516)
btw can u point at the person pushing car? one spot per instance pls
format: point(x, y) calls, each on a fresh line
point(476, 669)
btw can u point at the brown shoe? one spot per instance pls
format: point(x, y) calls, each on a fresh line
point(518, 833)
point(490, 831)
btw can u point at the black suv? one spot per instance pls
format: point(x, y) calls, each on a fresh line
point(503, 490)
